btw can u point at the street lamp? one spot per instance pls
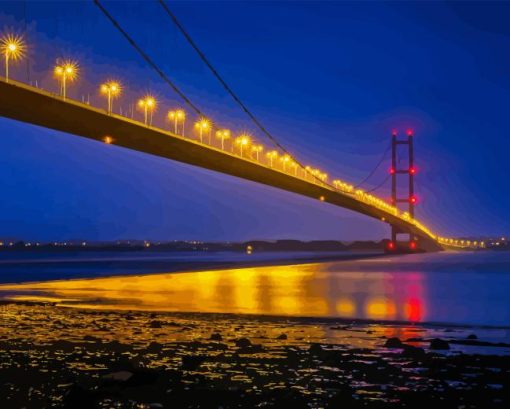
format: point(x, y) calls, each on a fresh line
point(148, 104)
point(272, 155)
point(223, 134)
point(294, 165)
point(177, 116)
point(13, 48)
point(112, 89)
point(203, 125)
point(243, 141)
point(66, 71)
point(308, 170)
point(284, 159)
point(257, 149)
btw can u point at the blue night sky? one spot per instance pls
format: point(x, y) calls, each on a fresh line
point(329, 79)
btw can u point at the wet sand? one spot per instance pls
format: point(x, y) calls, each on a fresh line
point(53, 356)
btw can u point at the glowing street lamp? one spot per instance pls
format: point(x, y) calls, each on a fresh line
point(66, 71)
point(223, 134)
point(243, 141)
point(315, 174)
point(294, 166)
point(308, 171)
point(112, 89)
point(257, 149)
point(148, 104)
point(13, 48)
point(272, 155)
point(285, 159)
point(177, 116)
point(203, 125)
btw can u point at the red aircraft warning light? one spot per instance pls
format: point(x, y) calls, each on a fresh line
point(412, 170)
point(392, 171)
point(409, 132)
point(412, 200)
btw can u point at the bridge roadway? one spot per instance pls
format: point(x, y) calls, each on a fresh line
point(24, 103)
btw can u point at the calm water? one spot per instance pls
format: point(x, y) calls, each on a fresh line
point(460, 288)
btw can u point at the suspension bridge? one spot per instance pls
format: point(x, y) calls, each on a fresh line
point(204, 145)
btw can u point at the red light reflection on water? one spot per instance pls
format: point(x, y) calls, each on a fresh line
point(413, 310)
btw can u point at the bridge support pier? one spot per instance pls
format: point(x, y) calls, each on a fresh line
point(401, 166)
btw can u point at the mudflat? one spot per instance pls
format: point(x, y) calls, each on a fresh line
point(62, 357)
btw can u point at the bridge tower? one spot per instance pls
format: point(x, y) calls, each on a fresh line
point(398, 173)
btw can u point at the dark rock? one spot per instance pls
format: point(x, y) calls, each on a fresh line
point(413, 352)
point(393, 343)
point(155, 324)
point(120, 376)
point(64, 345)
point(439, 344)
point(79, 398)
point(253, 349)
point(216, 337)
point(282, 336)
point(472, 336)
point(192, 362)
point(315, 349)
point(91, 338)
point(218, 347)
point(340, 327)
point(143, 377)
point(154, 347)
point(243, 343)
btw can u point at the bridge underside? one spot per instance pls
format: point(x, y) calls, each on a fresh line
point(27, 104)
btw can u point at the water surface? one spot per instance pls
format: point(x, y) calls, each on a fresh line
point(456, 288)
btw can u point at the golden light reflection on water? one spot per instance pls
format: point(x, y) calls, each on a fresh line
point(301, 290)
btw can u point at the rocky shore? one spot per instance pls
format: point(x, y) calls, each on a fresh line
point(55, 357)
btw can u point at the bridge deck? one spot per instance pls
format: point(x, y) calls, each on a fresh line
point(31, 105)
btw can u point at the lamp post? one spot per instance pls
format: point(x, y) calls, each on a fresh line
point(112, 89)
point(285, 159)
point(243, 141)
point(177, 116)
point(66, 71)
point(13, 48)
point(148, 105)
point(203, 125)
point(223, 134)
point(257, 149)
point(272, 155)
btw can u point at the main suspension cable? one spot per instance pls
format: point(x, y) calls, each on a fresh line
point(229, 90)
point(147, 58)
